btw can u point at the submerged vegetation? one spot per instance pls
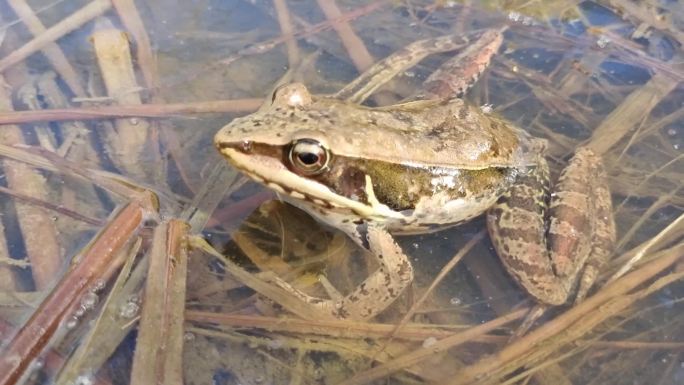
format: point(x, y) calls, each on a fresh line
point(114, 201)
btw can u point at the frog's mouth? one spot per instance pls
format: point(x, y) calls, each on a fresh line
point(264, 164)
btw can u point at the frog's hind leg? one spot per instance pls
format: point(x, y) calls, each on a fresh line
point(382, 287)
point(553, 259)
point(379, 290)
point(603, 229)
point(518, 231)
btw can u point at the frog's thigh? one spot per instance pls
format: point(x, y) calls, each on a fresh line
point(572, 213)
point(599, 226)
point(518, 231)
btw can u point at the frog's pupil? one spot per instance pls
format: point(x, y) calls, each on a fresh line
point(308, 158)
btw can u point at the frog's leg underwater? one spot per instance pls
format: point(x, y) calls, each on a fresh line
point(560, 253)
point(379, 290)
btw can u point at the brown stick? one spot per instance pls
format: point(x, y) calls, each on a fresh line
point(130, 18)
point(425, 353)
point(68, 24)
point(286, 27)
point(355, 47)
point(47, 205)
point(97, 258)
point(330, 328)
point(159, 350)
point(487, 368)
point(51, 50)
point(37, 227)
point(130, 139)
point(630, 112)
point(128, 111)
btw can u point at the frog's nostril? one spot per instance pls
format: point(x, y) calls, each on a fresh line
point(245, 146)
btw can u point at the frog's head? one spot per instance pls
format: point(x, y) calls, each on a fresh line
point(286, 145)
point(376, 163)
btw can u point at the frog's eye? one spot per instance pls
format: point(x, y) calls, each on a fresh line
point(308, 157)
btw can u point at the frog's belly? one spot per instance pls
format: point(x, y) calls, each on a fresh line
point(429, 215)
point(437, 214)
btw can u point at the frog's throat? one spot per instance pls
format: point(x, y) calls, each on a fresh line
point(274, 175)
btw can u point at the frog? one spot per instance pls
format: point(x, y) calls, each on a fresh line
point(422, 166)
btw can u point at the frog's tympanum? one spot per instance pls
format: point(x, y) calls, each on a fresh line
point(421, 166)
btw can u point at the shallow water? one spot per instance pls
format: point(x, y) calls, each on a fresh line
point(573, 74)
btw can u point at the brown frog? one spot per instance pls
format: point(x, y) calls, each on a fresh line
point(420, 166)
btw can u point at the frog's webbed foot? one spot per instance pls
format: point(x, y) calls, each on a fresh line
point(553, 259)
point(376, 292)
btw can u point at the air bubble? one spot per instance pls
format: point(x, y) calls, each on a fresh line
point(514, 16)
point(429, 342)
point(37, 364)
point(129, 309)
point(98, 285)
point(78, 313)
point(84, 380)
point(89, 301)
point(71, 323)
point(603, 41)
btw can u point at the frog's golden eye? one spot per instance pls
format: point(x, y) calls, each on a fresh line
point(308, 157)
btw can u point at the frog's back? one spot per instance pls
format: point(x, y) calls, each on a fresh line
point(439, 133)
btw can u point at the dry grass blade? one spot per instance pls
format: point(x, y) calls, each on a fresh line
point(493, 367)
point(220, 181)
point(423, 353)
point(630, 112)
point(357, 50)
point(386, 69)
point(544, 354)
point(56, 208)
point(107, 333)
point(39, 158)
point(7, 280)
point(285, 22)
point(94, 262)
point(262, 286)
point(68, 24)
point(129, 139)
point(159, 348)
point(330, 328)
point(676, 227)
point(51, 50)
point(145, 57)
point(131, 111)
point(438, 279)
point(37, 226)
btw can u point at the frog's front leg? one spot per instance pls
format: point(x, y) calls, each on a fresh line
point(553, 258)
point(376, 292)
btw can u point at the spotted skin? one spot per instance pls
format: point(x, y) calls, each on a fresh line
point(555, 244)
point(420, 166)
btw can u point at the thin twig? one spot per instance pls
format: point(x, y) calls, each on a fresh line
point(130, 111)
point(97, 258)
point(145, 57)
point(357, 50)
point(68, 24)
point(51, 49)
